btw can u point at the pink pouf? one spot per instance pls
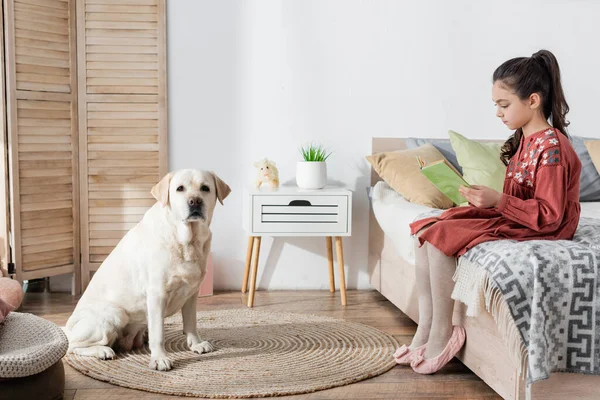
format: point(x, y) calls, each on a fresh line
point(11, 296)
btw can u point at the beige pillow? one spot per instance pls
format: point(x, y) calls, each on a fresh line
point(400, 170)
point(593, 147)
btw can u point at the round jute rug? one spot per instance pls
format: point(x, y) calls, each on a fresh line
point(257, 354)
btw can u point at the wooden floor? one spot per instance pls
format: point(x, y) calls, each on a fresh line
point(455, 381)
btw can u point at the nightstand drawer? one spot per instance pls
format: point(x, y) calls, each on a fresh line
point(300, 214)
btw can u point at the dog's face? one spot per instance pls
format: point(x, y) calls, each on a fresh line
point(190, 195)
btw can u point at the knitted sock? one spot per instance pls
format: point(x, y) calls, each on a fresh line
point(441, 270)
point(424, 295)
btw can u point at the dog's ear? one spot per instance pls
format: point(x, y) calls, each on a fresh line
point(222, 188)
point(161, 190)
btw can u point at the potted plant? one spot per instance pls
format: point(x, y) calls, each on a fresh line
point(311, 173)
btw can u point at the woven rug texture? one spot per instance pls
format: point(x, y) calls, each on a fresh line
point(258, 354)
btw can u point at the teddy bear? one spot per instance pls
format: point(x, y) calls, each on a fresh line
point(267, 172)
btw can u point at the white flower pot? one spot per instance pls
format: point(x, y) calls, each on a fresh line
point(311, 174)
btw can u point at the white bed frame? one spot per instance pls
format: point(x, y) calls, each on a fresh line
point(484, 352)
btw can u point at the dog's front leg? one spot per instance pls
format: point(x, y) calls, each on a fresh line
point(158, 355)
point(188, 313)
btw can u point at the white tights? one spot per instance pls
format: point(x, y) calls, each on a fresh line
point(434, 272)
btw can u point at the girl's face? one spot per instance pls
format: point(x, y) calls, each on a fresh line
point(514, 112)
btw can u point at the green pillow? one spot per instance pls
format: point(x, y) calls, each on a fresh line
point(479, 161)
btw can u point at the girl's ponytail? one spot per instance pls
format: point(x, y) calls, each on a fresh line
point(556, 108)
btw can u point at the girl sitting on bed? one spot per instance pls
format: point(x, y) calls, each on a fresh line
point(540, 200)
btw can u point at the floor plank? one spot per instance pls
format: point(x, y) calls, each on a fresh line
point(455, 381)
point(68, 394)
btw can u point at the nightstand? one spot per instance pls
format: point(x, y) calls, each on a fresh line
point(291, 211)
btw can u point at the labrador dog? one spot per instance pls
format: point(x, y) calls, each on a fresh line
point(154, 271)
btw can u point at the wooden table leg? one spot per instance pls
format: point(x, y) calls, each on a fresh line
point(247, 268)
point(330, 261)
point(255, 254)
point(340, 259)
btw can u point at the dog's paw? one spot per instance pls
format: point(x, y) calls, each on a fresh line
point(100, 352)
point(203, 347)
point(161, 363)
point(105, 353)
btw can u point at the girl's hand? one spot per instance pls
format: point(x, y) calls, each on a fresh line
point(481, 196)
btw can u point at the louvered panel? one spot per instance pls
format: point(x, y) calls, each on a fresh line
point(117, 210)
point(45, 215)
point(53, 4)
point(114, 218)
point(132, 194)
point(33, 225)
point(38, 177)
point(107, 235)
point(122, 48)
point(114, 141)
point(122, 79)
point(42, 45)
point(111, 3)
point(45, 232)
point(38, 261)
point(42, 106)
point(39, 264)
point(38, 8)
point(5, 229)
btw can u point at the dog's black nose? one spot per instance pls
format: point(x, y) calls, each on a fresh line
point(195, 202)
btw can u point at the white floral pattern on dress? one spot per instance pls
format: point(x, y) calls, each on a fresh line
point(542, 150)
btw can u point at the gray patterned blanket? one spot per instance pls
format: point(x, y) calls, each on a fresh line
point(552, 289)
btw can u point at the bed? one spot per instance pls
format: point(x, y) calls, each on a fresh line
point(487, 352)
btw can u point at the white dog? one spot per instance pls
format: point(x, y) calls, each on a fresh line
point(154, 271)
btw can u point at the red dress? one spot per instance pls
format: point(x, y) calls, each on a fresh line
point(540, 201)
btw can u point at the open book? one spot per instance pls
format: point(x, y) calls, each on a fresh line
point(446, 178)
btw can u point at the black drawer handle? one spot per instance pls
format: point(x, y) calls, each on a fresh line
point(300, 203)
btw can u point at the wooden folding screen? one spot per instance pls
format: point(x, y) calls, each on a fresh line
point(122, 105)
point(86, 119)
point(5, 256)
point(41, 102)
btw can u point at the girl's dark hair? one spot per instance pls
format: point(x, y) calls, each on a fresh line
point(536, 74)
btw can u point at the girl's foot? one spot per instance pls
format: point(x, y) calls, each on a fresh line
point(405, 355)
point(429, 366)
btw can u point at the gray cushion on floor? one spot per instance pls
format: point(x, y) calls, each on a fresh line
point(29, 345)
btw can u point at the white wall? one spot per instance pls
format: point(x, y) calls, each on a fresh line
point(258, 78)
